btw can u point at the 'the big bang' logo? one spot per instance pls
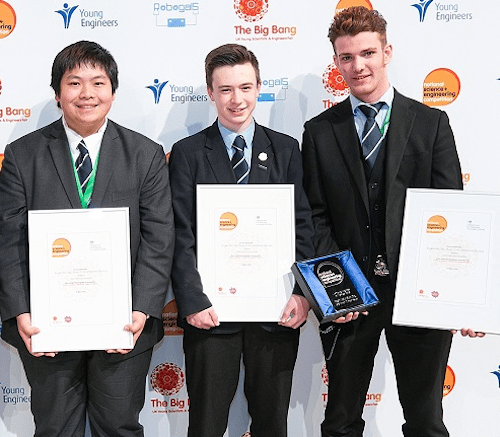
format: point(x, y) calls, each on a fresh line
point(251, 10)
point(344, 4)
point(334, 83)
point(441, 87)
point(7, 19)
point(167, 379)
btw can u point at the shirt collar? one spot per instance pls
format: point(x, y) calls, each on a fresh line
point(228, 135)
point(92, 142)
point(387, 98)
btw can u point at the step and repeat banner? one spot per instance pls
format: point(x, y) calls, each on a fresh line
point(445, 55)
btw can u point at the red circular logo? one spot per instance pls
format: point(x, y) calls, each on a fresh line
point(167, 379)
point(251, 10)
point(324, 374)
point(334, 83)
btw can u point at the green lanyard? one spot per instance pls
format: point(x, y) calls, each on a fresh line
point(85, 197)
point(386, 121)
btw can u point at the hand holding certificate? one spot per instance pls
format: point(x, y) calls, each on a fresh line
point(80, 279)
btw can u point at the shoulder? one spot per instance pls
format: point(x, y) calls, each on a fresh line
point(193, 142)
point(419, 108)
point(129, 137)
point(276, 137)
point(335, 114)
point(37, 137)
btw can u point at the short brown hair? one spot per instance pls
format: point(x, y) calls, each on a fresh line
point(357, 19)
point(229, 54)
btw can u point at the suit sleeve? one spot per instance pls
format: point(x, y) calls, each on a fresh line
point(446, 172)
point(154, 257)
point(324, 241)
point(14, 276)
point(186, 280)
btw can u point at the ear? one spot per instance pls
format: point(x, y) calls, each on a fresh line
point(210, 93)
point(387, 54)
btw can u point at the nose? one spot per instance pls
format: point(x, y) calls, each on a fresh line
point(237, 96)
point(86, 91)
point(358, 64)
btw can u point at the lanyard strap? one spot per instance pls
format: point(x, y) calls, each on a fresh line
point(87, 196)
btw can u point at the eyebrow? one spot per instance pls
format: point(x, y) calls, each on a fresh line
point(75, 76)
point(232, 86)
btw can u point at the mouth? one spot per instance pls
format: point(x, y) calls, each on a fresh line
point(237, 111)
point(361, 77)
point(86, 106)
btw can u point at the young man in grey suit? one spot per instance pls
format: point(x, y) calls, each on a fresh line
point(85, 160)
point(214, 350)
point(360, 156)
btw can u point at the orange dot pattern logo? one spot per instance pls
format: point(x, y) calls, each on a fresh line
point(61, 248)
point(441, 87)
point(228, 221)
point(334, 82)
point(251, 10)
point(436, 224)
point(1, 160)
point(449, 381)
point(7, 19)
point(167, 379)
point(344, 4)
point(169, 316)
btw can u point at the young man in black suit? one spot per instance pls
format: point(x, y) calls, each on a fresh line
point(213, 350)
point(360, 156)
point(123, 169)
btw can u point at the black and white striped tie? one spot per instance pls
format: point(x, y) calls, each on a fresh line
point(371, 137)
point(83, 165)
point(240, 165)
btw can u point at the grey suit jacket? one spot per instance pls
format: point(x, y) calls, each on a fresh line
point(37, 174)
point(420, 153)
point(203, 159)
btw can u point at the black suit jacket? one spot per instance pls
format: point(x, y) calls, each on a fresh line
point(37, 174)
point(420, 153)
point(202, 159)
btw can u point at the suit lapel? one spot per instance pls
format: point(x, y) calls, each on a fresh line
point(344, 130)
point(61, 156)
point(110, 149)
point(262, 157)
point(401, 123)
point(217, 157)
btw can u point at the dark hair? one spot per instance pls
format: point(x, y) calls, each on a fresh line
point(357, 19)
point(83, 53)
point(229, 54)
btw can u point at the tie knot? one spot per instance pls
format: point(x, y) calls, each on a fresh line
point(371, 111)
point(81, 147)
point(239, 143)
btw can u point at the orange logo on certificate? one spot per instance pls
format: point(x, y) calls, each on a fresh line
point(228, 221)
point(60, 248)
point(436, 224)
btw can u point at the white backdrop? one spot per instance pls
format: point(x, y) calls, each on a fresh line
point(448, 48)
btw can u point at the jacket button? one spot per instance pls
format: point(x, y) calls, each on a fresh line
point(365, 258)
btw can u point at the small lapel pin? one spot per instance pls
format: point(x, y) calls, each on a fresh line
point(262, 156)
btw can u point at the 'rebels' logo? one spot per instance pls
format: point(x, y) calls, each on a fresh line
point(66, 13)
point(251, 10)
point(167, 379)
point(7, 19)
point(422, 6)
point(157, 88)
point(334, 83)
point(344, 4)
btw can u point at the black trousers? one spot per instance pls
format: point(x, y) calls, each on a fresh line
point(420, 357)
point(212, 373)
point(66, 388)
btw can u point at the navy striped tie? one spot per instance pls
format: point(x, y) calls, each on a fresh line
point(239, 163)
point(83, 165)
point(371, 137)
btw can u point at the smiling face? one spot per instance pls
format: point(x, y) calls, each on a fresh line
point(85, 97)
point(234, 91)
point(362, 59)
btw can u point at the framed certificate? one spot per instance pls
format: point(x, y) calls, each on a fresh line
point(449, 266)
point(246, 245)
point(80, 280)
